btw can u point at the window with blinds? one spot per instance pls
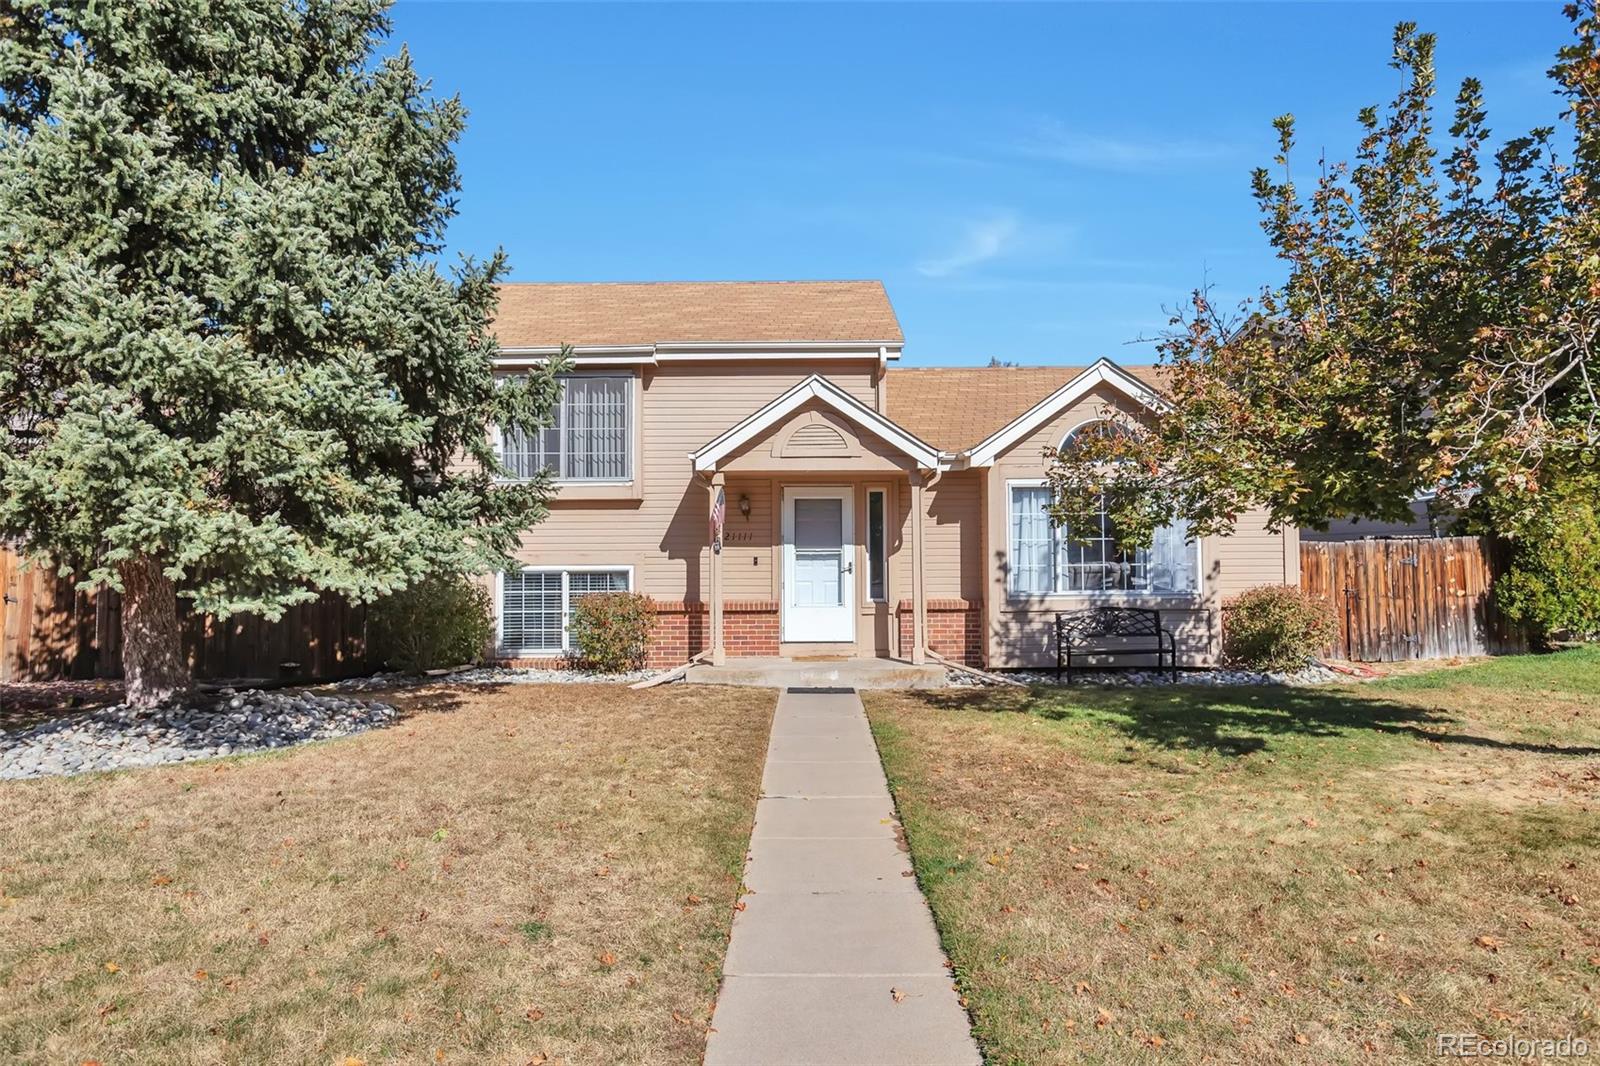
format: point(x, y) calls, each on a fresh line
point(536, 606)
point(591, 440)
point(1049, 560)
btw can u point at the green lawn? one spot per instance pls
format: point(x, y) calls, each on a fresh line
point(1262, 874)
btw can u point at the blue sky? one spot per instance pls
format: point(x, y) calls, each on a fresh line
point(1037, 182)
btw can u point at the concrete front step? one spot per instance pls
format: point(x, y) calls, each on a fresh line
point(858, 673)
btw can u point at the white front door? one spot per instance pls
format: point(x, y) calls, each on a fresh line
point(819, 553)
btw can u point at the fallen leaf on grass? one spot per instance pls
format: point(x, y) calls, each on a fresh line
point(535, 1014)
point(201, 975)
point(160, 879)
point(606, 958)
point(1405, 1000)
point(1102, 1019)
point(1492, 943)
point(1301, 1038)
point(112, 967)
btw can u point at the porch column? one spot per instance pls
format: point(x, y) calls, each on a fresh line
point(919, 598)
point(719, 653)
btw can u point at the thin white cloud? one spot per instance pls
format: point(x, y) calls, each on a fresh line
point(1053, 140)
point(983, 240)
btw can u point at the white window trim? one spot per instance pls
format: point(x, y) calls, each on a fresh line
point(1113, 596)
point(566, 603)
point(497, 441)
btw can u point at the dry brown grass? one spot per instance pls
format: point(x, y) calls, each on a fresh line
point(1259, 875)
point(511, 873)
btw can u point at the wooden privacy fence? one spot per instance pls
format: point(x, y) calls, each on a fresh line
point(1409, 598)
point(49, 631)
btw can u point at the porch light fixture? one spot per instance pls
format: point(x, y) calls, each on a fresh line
point(744, 505)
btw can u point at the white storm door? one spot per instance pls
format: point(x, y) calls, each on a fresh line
point(819, 554)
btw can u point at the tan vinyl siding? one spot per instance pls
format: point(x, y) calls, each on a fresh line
point(1020, 632)
point(1253, 556)
point(953, 537)
point(748, 559)
point(663, 534)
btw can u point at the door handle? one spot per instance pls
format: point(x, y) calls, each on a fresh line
point(849, 568)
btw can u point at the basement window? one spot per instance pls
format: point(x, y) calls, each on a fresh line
point(536, 605)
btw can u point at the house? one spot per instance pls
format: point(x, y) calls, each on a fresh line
point(865, 509)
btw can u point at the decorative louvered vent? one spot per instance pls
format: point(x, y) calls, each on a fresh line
point(818, 438)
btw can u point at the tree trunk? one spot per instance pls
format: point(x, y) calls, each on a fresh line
point(153, 669)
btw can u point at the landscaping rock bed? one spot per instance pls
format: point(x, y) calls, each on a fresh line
point(228, 723)
point(496, 675)
point(489, 675)
point(1310, 674)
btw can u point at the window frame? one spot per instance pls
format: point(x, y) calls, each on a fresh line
point(630, 381)
point(566, 603)
point(1016, 595)
point(878, 571)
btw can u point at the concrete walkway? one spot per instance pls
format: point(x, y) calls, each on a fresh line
point(835, 958)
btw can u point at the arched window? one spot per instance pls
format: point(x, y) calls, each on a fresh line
point(1049, 560)
point(1100, 427)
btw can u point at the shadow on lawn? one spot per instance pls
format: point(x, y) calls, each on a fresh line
point(1235, 721)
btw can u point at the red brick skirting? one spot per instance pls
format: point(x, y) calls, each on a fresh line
point(955, 629)
point(749, 628)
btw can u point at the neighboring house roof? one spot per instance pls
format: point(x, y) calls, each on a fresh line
point(957, 408)
point(815, 387)
point(535, 315)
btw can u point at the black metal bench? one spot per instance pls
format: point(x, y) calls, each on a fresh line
point(1080, 631)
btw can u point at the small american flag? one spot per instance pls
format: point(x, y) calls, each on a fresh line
point(719, 514)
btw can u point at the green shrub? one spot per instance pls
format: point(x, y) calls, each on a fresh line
point(611, 630)
point(1552, 583)
point(1275, 627)
point(445, 620)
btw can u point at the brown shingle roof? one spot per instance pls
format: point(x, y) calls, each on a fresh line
point(954, 408)
point(537, 315)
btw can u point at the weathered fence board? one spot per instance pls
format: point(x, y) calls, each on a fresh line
point(49, 630)
point(1409, 598)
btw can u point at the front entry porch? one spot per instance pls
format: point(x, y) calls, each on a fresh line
point(816, 505)
point(856, 672)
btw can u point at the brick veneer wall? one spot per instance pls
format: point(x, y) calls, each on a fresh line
point(749, 628)
point(955, 629)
